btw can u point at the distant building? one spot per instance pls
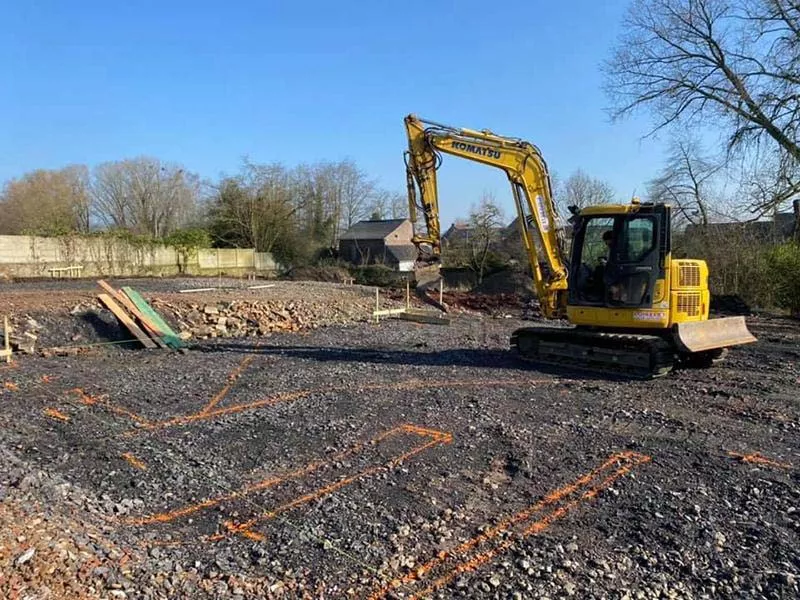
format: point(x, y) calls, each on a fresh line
point(460, 233)
point(385, 242)
point(781, 228)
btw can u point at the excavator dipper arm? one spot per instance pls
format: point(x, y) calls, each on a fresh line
point(523, 164)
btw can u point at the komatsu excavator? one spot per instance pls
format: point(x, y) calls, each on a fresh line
point(632, 308)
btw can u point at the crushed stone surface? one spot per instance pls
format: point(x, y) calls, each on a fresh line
point(397, 460)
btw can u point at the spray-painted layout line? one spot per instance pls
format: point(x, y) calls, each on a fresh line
point(232, 377)
point(481, 549)
point(756, 458)
point(105, 403)
point(211, 410)
point(285, 397)
point(423, 438)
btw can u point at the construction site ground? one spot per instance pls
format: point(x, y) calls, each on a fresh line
point(344, 458)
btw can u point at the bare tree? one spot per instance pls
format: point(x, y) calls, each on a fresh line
point(338, 194)
point(581, 190)
point(46, 202)
point(485, 223)
point(398, 205)
point(315, 201)
point(144, 195)
point(769, 179)
point(355, 191)
point(388, 205)
point(731, 63)
point(256, 208)
point(687, 182)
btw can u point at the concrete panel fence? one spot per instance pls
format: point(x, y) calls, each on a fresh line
point(30, 256)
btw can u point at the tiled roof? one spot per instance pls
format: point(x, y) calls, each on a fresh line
point(372, 230)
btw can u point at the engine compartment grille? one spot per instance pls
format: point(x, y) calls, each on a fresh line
point(689, 276)
point(689, 303)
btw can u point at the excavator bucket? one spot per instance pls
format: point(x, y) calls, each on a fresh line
point(699, 336)
point(427, 276)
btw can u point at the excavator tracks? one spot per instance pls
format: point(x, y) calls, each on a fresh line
point(629, 355)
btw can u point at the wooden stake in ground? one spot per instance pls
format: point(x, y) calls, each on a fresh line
point(7, 346)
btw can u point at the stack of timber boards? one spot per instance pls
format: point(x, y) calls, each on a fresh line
point(139, 317)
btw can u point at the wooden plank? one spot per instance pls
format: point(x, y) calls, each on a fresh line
point(388, 311)
point(123, 317)
point(169, 336)
point(429, 318)
point(131, 308)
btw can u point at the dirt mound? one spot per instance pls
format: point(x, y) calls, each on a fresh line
point(731, 304)
point(487, 303)
point(331, 274)
point(509, 281)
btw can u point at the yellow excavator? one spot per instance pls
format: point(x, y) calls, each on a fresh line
point(632, 308)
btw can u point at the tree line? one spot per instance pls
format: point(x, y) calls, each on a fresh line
point(292, 212)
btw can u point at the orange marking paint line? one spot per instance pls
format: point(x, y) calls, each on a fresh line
point(258, 486)
point(438, 438)
point(232, 377)
point(134, 462)
point(759, 459)
point(56, 414)
point(252, 535)
point(293, 396)
point(624, 461)
point(329, 489)
point(245, 529)
point(90, 400)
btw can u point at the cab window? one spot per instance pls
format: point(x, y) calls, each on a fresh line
point(594, 247)
point(638, 239)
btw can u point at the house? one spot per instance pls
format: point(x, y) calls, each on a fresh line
point(781, 228)
point(385, 242)
point(460, 233)
point(456, 234)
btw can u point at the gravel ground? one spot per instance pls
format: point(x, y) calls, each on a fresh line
point(398, 461)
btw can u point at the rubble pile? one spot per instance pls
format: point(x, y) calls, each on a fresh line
point(24, 334)
point(488, 303)
point(238, 319)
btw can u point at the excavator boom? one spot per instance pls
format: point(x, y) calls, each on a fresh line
point(523, 164)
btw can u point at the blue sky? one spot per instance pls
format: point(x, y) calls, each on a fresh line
point(206, 83)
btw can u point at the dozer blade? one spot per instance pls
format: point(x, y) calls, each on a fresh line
point(699, 336)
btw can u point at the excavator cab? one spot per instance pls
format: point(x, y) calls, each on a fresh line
point(618, 259)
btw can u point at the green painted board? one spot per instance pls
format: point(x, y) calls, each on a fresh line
point(169, 336)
